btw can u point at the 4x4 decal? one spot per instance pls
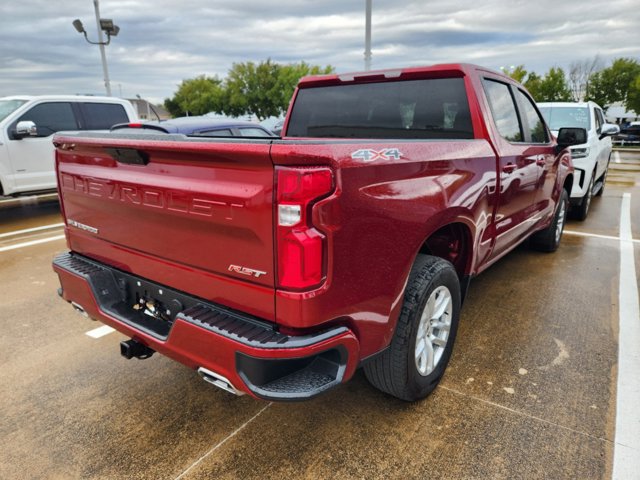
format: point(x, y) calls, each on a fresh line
point(369, 155)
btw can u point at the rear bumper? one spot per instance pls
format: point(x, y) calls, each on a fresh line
point(249, 352)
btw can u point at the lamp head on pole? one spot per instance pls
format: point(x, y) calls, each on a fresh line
point(77, 24)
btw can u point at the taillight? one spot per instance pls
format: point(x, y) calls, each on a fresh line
point(301, 248)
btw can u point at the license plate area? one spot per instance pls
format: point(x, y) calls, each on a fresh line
point(147, 305)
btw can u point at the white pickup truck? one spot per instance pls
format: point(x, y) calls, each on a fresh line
point(27, 125)
point(591, 159)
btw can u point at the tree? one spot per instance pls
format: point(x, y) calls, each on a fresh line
point(532, 83)
point(633, 97)
point(613, 84)
point(550, 88)
point(264, 89)
point(291, 74)
point(196, 96)
point(174, 108)
point(518, 74)
point(580, 73)
point(553, 87)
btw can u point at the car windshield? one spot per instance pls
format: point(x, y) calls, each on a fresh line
point(560, 117)
point(8, 106)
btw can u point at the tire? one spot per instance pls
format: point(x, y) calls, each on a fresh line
point(548, 240)
point(604, 181)
point(581, 211)
point(411, 373)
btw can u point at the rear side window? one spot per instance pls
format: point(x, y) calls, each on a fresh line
point(51, 118)
point(421, 109)
point(537, 130)
point(102, 116)
point(253, 132)
point(503, 110)
point(223, 132)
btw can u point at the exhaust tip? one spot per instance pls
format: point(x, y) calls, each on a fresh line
point(78, 308)
point(219, 381)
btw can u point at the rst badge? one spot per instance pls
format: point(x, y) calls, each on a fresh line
point(370, 155)
point(250, 272)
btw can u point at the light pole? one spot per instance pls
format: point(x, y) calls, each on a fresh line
point(106, 25)
point(367, 38)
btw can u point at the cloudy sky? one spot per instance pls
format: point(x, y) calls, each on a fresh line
point(162, 42)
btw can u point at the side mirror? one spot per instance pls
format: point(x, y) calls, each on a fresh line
point(608, 130)
point(26, 128)
point(568, 137)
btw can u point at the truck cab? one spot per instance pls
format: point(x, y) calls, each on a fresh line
point(27, 126)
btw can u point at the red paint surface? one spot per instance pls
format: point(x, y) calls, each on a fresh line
point(198, 207)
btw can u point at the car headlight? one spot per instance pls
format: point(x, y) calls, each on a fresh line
point(579, 152)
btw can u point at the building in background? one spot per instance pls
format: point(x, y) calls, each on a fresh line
point(148, 111)
point(617, 113)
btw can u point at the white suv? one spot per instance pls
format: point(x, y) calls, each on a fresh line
point(27, 125)
point(591, 159)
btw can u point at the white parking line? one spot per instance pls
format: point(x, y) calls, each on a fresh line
point(31, 230)
point(626, 455)
point(31, 199)
point(223, 441)
point(616, 157)
point(100, 331)
point(33, 242)
point(595, 235)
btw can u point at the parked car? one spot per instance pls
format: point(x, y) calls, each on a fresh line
point(629, 134)
point(591, 159)
point(277, 128)
point(27, 125)
point(198, 126)
point(278, 266)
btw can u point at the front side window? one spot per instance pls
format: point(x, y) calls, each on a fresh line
point(503, 110)
point(599, 120)
point(415, 109)
point(51, 118)
point(537, 130)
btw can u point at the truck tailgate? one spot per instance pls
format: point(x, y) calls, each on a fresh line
point(195, 215)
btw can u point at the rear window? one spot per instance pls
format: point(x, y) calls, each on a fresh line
point(423, 109)
point(102, 116)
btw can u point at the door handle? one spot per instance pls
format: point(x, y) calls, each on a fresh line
point(541, 161)
point(509, 168)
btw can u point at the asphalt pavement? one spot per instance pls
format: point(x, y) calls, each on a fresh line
point(532, 389)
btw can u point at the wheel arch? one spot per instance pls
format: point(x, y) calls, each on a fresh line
point(450, 226)
point(452, 242)
point(568, 183)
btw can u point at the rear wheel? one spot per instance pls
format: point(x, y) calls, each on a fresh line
point(548, 240)
point(423, 341)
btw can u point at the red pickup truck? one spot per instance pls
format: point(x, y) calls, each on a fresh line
point(277, 267)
